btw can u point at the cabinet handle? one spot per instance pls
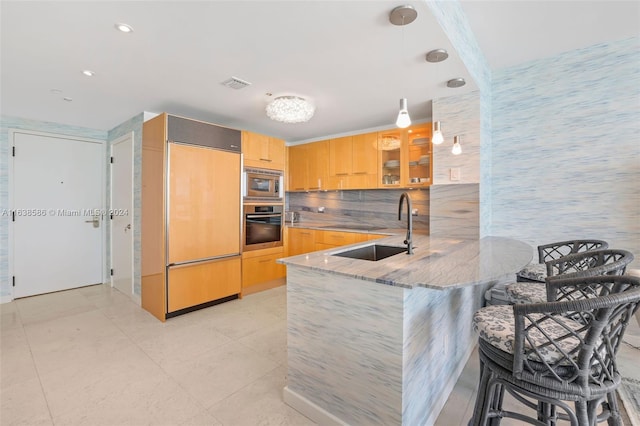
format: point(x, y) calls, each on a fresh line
point(342, 174)
point(359, 173)
point(264, 261)
point(298, 189)
point(266, 159)
point(314, 187)
point(305, 233)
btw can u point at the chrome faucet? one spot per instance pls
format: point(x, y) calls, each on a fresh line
point(409, 220)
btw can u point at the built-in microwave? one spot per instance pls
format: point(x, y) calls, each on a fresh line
point(262, 184)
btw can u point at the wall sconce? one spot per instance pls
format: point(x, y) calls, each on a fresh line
point(437, 137)
point(457, 149)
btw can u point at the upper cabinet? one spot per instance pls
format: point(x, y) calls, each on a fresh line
point(396, 158)
point(263, 151)
point(308, 166)
point(404, 157)
point(353, 162)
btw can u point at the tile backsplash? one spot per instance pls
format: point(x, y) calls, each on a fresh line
point(375, 207)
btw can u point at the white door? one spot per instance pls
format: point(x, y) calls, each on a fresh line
point(58, 198)
point(122, 211)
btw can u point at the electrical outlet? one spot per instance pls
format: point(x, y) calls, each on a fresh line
point(414, 212)
point(320, 209)
point(454, 173)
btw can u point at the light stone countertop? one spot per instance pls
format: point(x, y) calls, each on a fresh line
point(437, 263)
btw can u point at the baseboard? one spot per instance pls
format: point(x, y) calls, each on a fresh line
point(309, 409)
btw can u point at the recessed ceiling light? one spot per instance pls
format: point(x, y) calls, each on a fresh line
point(55, 91)
point(456, 82)
point(67, 99)
point(88, 73)
point(124, 28)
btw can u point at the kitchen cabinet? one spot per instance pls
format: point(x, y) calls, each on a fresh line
point(308, 166)
point(405, 157)
point(353, 162)
point(263, 151)
point(260, 266)
point(190, 215)
point(330, 239)
point(300, 241)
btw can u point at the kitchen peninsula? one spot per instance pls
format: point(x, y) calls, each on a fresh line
point(383, 342)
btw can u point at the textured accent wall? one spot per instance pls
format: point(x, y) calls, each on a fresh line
point(454, 211)
point(6, 124)
point(454, 22)
point(566, 147)
point(132, 125)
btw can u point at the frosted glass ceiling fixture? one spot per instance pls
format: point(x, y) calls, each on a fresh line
point(403, 15)
point(437, 137)
point(457, 149)
point(290, 109)
point(123, 28)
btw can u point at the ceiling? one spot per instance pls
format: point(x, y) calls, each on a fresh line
point(343, 55)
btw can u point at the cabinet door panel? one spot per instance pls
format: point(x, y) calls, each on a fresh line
point(301, 241)
point(191, 285)
point(318, 157)
point(260, 269)
point(340, 152)
point(276, 153)
point(204, 203)
point(298, 168)
point(365, 154)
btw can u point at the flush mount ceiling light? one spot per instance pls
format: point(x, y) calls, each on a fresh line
point(456, 82)
point(403, 15)
point(123, 28)
point(437, 55)
point(290, 109)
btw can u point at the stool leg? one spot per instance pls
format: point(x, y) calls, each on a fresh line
point(582, 413)
point(614, 411)
point(480, 408)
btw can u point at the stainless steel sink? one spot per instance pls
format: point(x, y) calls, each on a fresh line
point(373, 252)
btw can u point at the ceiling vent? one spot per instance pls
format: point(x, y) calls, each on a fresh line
point(235, 83)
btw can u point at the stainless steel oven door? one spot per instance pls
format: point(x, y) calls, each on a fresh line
point(262, 227)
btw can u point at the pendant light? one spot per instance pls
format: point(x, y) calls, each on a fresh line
point(457, 149)
point(437, 137)
point(403, 15)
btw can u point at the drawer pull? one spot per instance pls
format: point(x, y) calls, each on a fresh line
point(266, 159)
point(265, 260)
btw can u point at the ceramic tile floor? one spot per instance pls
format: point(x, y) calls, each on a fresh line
point(91, 356)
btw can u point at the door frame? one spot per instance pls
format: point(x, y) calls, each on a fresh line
point(10, 192)
point(124, 138)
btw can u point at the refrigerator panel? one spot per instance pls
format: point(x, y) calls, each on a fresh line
point(203, 204)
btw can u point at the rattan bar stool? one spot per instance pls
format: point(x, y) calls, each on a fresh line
point(589, 263)
point(537, 272)
point(557, 358)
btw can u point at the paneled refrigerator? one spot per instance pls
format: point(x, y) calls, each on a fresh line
point(191, 207)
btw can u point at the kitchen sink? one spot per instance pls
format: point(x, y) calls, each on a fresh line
point(373, 252)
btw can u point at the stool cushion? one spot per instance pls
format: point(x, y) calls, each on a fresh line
point(534, 271)
point(526, 292)
point(496, 295)
point(496, 326)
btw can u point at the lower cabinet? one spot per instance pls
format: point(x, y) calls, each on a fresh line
point(260, 266)
point(301, 240)
point(330, 239)
point(194, 284)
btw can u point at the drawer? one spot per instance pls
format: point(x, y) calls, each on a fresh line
point(259, 269)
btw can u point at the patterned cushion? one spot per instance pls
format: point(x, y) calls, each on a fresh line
point(526, 292)
point(496, 295)
point(496, 326)
point(534, 271)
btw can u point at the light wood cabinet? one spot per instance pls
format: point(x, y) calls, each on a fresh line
point(190, 244)
point(300, 241)
point(405, 157)
point(263, 151)
point(308, 166)
point(353, 162)
point(194, 284)
point(258, 268)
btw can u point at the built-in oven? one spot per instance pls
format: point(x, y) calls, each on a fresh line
point(262, 226)
point(262, 185)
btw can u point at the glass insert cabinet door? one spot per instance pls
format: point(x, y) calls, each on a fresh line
point(404, 157)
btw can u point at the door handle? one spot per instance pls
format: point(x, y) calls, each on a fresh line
point(95, 221)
